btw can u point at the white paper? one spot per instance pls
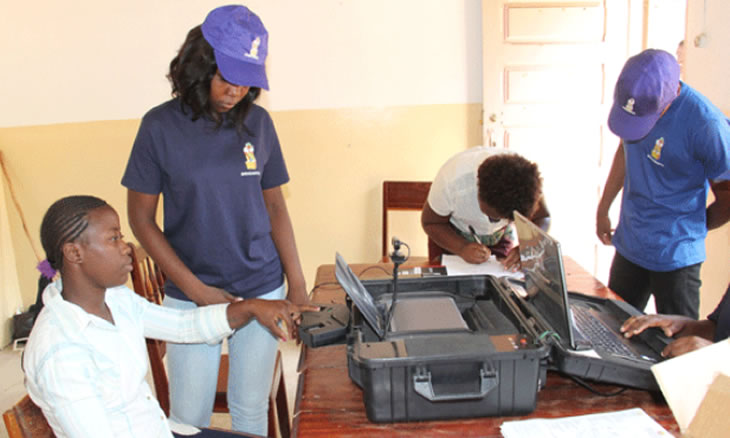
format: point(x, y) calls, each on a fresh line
point(455, 266)
point(633, 423)
point(182, 429)
point(684, 379)
point(585, 353)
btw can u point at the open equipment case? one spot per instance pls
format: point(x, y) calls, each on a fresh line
point(468, 346)
point(451, 347)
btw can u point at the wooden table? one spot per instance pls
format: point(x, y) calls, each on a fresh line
point(328, 404)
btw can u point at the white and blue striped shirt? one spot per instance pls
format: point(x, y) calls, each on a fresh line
point(88, 375)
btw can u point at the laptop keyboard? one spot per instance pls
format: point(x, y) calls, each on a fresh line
point(599, 334)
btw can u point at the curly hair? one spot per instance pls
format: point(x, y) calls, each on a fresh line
point(190, 74)
point(509, 182)
point(64, 222)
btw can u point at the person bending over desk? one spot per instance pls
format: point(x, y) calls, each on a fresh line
point(86, 361)
point(470, 204)
point(690, 333)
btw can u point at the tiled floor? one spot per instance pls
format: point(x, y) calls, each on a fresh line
point(12, 389)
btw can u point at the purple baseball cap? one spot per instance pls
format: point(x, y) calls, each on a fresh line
point(240, 43)
point(647, 84)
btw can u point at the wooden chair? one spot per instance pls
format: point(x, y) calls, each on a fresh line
point(148, 281)
point(278, 402)
point(25, 420)
point(405, 195)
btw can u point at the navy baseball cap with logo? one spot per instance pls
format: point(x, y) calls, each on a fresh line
point(647, 84)
point(240, 43)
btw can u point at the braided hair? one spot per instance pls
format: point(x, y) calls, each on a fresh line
point(509, 182)
point(190, 74)
point(64, 222)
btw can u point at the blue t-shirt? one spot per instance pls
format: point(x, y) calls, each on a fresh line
point(662, 225)
point(721, 317)
point(211, 180)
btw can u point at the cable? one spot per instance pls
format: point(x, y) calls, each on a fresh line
point(397, 260)
point(547, 333)
point(375, 267)
point(14, 198)
point(336, 285)
point(333, 284)
point(590, 388)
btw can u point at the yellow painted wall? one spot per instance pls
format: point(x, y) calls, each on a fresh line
point(10, 301)
point(48, 162)
point(337, 160)
point(354, 103)
point(360, 91)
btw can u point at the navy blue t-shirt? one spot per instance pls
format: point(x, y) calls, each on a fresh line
point(721, 317)
point(211, 180)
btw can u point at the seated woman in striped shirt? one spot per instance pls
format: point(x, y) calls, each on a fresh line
point(85, 362)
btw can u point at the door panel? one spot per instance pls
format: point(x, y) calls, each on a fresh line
point(551, 22)
point(549, 69)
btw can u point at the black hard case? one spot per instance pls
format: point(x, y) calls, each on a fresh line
point(617, 371)
point(494, 369)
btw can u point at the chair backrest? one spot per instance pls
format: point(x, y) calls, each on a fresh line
point(148, 281)
point(403, 195)
point(25, 420)
point(278, 403)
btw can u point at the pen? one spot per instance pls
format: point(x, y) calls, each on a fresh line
point(474, 235)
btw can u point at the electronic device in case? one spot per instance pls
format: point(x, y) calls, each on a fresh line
point(326, 327)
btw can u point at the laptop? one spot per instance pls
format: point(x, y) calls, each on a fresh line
point(586, 329)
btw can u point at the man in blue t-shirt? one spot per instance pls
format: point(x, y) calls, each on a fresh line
point(675, 145)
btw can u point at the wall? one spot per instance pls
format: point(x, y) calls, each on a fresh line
point(9, 303)
point(708, 69)
point(361, 91)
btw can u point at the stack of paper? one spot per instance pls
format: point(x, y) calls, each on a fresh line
point(633, 423)
point(455, 265)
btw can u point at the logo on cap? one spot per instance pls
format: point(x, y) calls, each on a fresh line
point(254, 52)
point(250, 157)
point(629, 107)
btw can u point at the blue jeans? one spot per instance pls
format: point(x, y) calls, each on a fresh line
point(192, 370)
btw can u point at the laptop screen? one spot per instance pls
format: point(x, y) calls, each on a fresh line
point(359, 295)
point(415, 313)
point(542, 264)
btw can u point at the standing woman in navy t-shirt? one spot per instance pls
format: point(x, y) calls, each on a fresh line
point(215, 157)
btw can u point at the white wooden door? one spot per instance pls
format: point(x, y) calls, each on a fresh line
point(549, 70)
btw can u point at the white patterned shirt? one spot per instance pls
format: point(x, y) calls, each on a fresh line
point(454, 192)
point(88, 375)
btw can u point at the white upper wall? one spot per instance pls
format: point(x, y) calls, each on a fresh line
point(708, 61)
point(105, 60)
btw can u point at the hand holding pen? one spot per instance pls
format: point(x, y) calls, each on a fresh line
point(475, 252)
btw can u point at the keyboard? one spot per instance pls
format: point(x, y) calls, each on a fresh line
point(599, 334)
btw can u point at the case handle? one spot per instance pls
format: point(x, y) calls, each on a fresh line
point(423, 385)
